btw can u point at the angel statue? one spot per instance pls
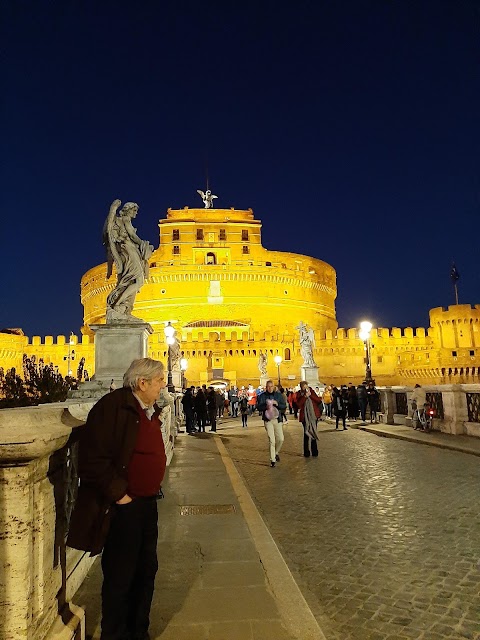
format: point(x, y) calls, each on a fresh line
point(130, 255)
point(207, 198)
point(262, 363)
point(307, 343)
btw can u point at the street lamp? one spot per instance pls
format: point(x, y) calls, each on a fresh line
point(278, 360)
point(169, 335)
point(183, 368)
point(365, 328)
point(71, 353)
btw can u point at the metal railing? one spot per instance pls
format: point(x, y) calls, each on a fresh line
point(401, 403)
point(473, 407)
point(435, 400)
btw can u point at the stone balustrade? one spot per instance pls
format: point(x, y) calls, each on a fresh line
point(38, 480)
point(457, 407)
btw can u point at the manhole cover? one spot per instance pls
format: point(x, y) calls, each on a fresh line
point(206, 509)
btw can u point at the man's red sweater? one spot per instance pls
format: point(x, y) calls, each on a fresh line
point(148, 462)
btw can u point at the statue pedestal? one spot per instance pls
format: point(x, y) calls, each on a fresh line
point(310, 374)
point(116, 346)
point(263, 380)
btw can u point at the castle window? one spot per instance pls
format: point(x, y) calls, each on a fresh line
point(223, 234)
point(268, 264)
point(284, 266)
point(245, 250)
point(472, 353)
point(244, 234)
point(176, 250)
point(153, 264)
point(454, 354)
point(379, 359)
point(211, 258)
point(287, 355)
point(176, 234)
point(199, 234)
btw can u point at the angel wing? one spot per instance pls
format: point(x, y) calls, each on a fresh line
point(201, 194)
point(212, 196)
point(108, 237)
point(311, 335)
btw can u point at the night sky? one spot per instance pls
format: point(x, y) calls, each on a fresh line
point(349, 127)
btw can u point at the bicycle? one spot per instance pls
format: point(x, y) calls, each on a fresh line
point(423, 418)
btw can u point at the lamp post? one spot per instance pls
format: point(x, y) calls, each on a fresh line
point(365, 329)
point(169, 333)
point(71, 354)
point(183, 368)
point(278, 361)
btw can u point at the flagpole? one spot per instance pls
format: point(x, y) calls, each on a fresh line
point(456, 293)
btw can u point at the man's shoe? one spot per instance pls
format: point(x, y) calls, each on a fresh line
point(272, 463)
point(345, 428)
point(277, 457)
point(307, 455)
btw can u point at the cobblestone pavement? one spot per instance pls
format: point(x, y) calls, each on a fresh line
point(383, 536)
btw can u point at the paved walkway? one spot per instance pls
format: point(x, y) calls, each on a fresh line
point(221, 576)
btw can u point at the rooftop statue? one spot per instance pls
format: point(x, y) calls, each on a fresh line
point(262, 363)
point(207, 198)
point(307, 343)
point(130, 255)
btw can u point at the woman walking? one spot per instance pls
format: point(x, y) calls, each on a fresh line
point(309, 405)
point(327, 401)
point(243, 406)
point(340, 404)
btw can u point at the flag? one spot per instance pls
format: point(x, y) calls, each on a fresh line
point(454, 275)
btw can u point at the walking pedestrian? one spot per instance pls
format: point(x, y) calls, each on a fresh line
point(283, 413)
point(309, 406)
point(362, 400)
point(373, 397)
point(201, 409)
point(233, 397)
point(243, 406)
point(188, 409)
point(352, 402)
point(340, 404)
point(327, 401)
point(252, 399)
point(212, 408)
point(121, 467)
point(270, 404)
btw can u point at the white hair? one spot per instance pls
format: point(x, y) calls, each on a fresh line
point(143, 368)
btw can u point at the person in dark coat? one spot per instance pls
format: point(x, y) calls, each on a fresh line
point(121, 467)
point(373, 397)
point(340, 404)
point(201, 409)
point(362, 400)
point(352, 409)
point(309, 420)
point(188, 402)
point(212, 408)
point(220, 398)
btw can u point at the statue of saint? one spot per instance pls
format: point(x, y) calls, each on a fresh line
point(307, 343)
point(262, 363)
point(130, 255)
point(207, 198)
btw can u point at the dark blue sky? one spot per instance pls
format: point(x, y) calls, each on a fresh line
point(350, 127)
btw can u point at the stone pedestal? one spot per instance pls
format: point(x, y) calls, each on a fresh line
point(263, 380)
point(116, 346)
point(310, 374)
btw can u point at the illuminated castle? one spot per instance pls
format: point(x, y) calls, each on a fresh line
point(230, 298)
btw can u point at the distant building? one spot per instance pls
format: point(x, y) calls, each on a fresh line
point(231, 298)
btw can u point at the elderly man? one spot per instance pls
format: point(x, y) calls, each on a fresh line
point(121, 466)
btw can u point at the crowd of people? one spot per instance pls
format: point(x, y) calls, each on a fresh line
point(204, 407)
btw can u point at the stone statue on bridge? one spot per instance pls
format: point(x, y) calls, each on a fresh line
point(130, 255)
point(307, 344)
point(262, 363)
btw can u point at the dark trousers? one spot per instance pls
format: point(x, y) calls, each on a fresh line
point(212, 413)
point(202, 421)
point(129, 564)
point(244, 419)
point(342, 415)
point(309, 443)
point(189, 420)
point(363, 409)
point(234, 409)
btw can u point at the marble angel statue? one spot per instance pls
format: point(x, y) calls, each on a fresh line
point(130, 255)
point(307, 344)
point(262, 363)
point(207, 198)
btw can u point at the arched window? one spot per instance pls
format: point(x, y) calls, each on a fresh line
point(211, 258)
point(287, 354)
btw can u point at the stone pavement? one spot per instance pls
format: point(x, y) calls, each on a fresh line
point(221, 576)
point(382, 535)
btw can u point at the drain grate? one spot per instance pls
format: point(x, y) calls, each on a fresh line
point(206, 509)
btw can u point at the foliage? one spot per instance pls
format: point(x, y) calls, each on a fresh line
point(40, 384)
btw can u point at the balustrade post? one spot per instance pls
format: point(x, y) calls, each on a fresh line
point(455, 409)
